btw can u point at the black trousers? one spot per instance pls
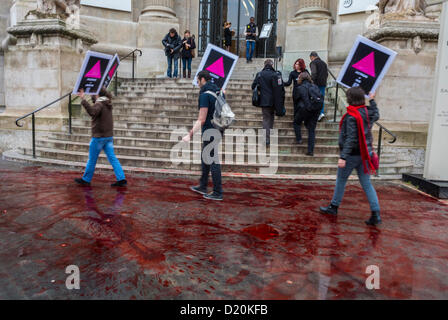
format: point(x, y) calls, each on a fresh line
point(310, 121)
point(215, 168)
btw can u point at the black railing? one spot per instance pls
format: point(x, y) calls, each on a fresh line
point(381, 127)
point(133, 54)
point(33, 118)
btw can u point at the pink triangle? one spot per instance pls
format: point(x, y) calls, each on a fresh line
point(95, 72)
point(112, 71)
point(367, 65)
point(217, 67)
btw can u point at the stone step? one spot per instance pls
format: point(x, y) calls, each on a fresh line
point(166, 134)
point(158, 149)
point(148, 122)
point(154, 148)
point(185, 110)
point(284, 168)
point(80, 166)
point(172, 135)
point(284, 149)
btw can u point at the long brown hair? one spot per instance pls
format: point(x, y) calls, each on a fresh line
point(304, 76)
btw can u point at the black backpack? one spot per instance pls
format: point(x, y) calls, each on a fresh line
point(316, 99)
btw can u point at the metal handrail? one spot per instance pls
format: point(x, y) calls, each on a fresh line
point(382, 127)
point(133, 66)
point(33, 118)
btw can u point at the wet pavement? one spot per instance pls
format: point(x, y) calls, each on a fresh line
point(157, 240)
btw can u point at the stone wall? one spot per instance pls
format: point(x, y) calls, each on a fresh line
point(4, 23)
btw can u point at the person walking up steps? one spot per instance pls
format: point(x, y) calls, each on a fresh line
point(299, 67)
point(355, 143)
point(319, 74)
point(102, 137)
point(305, 112)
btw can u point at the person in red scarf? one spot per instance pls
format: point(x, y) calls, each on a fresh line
point(356, 151)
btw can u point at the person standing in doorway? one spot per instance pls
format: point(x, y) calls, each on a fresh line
point(102, 137)
point(172, 43)
point(206, 106)
point(227, 36)
point(319, 74)
point(251, 37)
point(188, 46)
point(266, 81)
point(356, 152)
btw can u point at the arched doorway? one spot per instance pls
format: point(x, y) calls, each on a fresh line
point(213, 14)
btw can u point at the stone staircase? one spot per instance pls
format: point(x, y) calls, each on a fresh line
point(149, 112)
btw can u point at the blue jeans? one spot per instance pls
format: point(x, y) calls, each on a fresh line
point(250, 49)
point(322, 90)
point(186, 64)
point(170, 60)
point(96, 145)
point(355, 162)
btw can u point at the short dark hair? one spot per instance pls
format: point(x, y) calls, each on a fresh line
point(268, 62)
point(314, 54)
point(172, 30)
point(356, 96)
point(105, 93)
point(204, 74)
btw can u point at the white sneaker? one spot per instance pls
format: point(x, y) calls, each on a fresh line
point(321, 116)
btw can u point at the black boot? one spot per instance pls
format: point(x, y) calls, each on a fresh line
point(184, 73)
point(82, 182)
point(331, 209)
point(189, 74)
point(121, 183)
point(375, 219)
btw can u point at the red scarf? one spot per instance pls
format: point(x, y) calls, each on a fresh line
point(365, 155)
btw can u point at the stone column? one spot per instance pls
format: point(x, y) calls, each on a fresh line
point(41, 66)
point(156, 19)
point(313, 9)
point(308, 31)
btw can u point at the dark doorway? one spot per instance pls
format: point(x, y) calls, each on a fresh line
point(213, 14)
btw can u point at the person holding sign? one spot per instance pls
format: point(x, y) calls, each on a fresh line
point(251, 37)
point(102, 137)
point(356, 152)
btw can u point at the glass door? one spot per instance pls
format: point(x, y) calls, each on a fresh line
point(214, 13)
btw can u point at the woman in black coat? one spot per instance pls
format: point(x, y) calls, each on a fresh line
point(227, 35)
point(299, 67)
point(188, 46)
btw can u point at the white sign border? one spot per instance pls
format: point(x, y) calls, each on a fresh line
point(271, 25)
point(83, 68)
point(360, 39)
point(111, 63)
point(205, 57)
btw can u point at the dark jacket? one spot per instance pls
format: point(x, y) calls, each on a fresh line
point(267, 82)
point(293, 78)
point(251, 28)
point(319, 72)
point(348, 136)
point(174, 43)
point(186, 53)
point(208, 101)
point(302, 103)
point(227, 37)
point(102, 120)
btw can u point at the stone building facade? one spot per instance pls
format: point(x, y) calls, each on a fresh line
point(300, 26)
